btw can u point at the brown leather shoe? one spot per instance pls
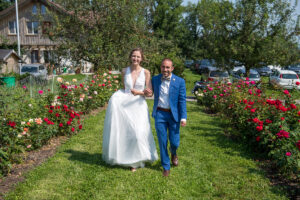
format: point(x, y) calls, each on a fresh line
point(166, 173)
point(175, 160)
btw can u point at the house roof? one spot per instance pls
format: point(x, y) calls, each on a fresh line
point(22, 3)
point(5, 53)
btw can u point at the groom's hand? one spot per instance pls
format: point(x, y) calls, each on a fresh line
point(148, 92)
point(183, 122)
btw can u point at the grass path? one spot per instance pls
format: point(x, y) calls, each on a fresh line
point(210, 167)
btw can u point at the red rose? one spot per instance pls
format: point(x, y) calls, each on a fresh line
point(50, 111)
point(259, 128)
point(57, 114)
point(268, 121)
point(60, 124)
point(253, 110)
point(282, 118)
point(257, 138)
point(68, 123)
point(72, 129)
point(286, 92)
point(80, 126)
point(297, 83)
point(293, 106)
point(288, 154)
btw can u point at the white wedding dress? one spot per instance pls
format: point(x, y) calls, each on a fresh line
point(127, 135)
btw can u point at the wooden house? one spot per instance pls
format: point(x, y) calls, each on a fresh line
point(34, 23)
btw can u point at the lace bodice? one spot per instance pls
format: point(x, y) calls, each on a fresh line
point(139, 83)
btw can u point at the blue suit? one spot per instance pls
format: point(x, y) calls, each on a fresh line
point(165, 121)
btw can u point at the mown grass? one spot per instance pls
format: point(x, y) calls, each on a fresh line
point(79, 77)
point(190, 78)
point(211, 166)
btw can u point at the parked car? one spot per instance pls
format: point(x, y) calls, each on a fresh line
point(254, 76)
point(37, 70)
point(238, 70)
point(284, 78)
point(206, 65)
point(188, 63)
point(295, 68)
point(216, 75)
point(264, 71)
point(199, 85)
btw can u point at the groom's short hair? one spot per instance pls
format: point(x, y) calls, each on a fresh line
point(167, 59)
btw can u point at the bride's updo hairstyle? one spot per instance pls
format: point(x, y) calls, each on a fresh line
point(137, 49)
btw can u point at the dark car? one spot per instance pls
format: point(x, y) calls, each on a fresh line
point(205, 65)
point(199, 85)
point(264, 71)
point(295, 68)
point(188, 63)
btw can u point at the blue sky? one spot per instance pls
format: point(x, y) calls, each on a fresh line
point(185, 2)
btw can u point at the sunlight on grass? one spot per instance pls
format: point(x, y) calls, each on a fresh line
point(190, 78)
point(211, 166)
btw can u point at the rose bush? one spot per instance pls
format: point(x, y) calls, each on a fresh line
point(271, 126)
point(27, 123)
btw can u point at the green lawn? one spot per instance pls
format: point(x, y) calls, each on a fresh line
point(211, 166)
point(80, 77)
point(190, 78)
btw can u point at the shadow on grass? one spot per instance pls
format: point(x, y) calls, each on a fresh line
point(96, 159)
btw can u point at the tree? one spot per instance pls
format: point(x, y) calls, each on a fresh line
point(101, 32)
point(251, 32)
point(166, 19)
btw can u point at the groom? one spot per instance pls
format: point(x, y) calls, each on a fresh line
point(169, 111)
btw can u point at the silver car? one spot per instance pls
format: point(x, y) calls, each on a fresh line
point(285, 78)
point(37, 70)
point(254, 76)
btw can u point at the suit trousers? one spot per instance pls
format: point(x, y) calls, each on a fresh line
point(164, 122)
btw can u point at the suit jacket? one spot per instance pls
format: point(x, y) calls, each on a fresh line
point(177, 96)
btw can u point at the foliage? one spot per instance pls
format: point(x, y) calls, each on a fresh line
point(269, 125)
point(5, 4)
point(28, 123)
point(101, 32)
point(251, 33)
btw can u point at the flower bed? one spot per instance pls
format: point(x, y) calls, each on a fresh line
point(269, 125)
point(27, 123)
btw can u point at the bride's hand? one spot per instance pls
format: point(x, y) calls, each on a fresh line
point(135, 92)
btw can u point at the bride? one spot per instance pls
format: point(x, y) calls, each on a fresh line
point(127, 135)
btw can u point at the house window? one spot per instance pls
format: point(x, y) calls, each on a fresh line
point(34, 9)
point(32, 27)
point(34, 56)
point(12, 27)
point(46, 27)
point(43, 9)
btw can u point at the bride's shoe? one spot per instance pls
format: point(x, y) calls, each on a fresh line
point(132, 169)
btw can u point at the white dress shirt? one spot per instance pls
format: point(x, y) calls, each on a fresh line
point(163, 99)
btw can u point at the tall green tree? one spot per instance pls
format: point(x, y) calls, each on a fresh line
point(251, 32)
point(166, 19)
point(101, 32)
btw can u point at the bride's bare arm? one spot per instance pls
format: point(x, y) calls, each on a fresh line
point(148, 92)
point(122, 77)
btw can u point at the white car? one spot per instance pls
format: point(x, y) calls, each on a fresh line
point(37, 70)
point(286, 79)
